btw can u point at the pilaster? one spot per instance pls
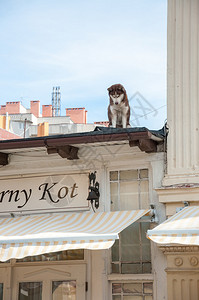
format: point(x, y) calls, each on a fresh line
point(183, 92)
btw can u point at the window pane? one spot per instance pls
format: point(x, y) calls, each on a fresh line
point(144, 194)
point(56, 256)
point(129, 175)
point(30, 291)
point(115, 251)
point(116, 297)
point(146, 246)
point(129, 198)
point(73, 254)
point(148, 288)
point(64, 290)
point(1, 291)
point(115, 268)
point(116, 288)
point(131, 268)
point(130, 245)
point(114, 175)
point(114, 196)
point(143, 173)
point(146, 253)
point(148, 298)
point(132, 288)
point(133, 298)
point(146, 268)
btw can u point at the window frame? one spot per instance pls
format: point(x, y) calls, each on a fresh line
point(119, 277)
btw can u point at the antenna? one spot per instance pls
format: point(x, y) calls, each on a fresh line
point(56, 103)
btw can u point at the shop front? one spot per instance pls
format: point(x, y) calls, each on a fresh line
point(73, 226)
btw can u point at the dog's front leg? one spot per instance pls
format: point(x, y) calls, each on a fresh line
point(124, 121)
point(114, 120)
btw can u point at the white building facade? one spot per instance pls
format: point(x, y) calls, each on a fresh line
point(48, 178)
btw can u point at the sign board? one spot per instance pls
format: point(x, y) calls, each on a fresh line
point(51, 193)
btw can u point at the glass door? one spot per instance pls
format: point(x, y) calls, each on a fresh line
point(49, 282)
point(64, 290)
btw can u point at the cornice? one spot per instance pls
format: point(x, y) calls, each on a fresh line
point(178, 249)
point(178, 193)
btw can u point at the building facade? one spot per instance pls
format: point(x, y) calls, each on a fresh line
point(48, 178)
point(180, 186)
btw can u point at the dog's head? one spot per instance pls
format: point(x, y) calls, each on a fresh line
point(117, 94)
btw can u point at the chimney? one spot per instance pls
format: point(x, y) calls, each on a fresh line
point(2, 109)
point(13, 107)
point(35, 108)
point(77, 115)
point(46, 110)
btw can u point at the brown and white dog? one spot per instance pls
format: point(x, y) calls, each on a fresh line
point(119, 109)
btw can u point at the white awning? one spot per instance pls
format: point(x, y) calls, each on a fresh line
point(181, 228)
point(34, 235)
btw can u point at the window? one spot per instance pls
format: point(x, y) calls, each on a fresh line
point(131, 253)
point(30, 290)
point(1, 291)
point(132, 291)
point(64, 290)
point(55, 256)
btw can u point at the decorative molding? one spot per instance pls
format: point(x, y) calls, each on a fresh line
point(178, 249)
point(194, 261)
point(47, 270)
point(178, 193)
point(178, 261)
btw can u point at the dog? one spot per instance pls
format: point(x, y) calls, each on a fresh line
point(118, 109)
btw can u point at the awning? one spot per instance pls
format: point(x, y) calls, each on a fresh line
point(34, 235)
point(181, 228)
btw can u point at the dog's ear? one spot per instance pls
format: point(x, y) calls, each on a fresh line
point(109, 89)
point(123, 89)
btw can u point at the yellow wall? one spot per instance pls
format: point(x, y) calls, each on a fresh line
point(43, 129)
point(3, 122)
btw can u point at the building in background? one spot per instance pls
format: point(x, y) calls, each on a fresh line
point(30, 122)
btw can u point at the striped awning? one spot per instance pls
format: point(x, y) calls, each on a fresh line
point(34, 235)
point(181, 228)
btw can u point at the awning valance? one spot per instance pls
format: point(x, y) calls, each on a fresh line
point(34, 235)
point(181, 228)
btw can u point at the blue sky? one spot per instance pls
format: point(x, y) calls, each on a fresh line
point(84, 47)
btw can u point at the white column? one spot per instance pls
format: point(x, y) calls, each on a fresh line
point(183, 92)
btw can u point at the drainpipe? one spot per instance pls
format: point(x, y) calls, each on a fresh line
point(25, 121)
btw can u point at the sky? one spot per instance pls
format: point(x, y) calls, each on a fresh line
point(84, 47)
